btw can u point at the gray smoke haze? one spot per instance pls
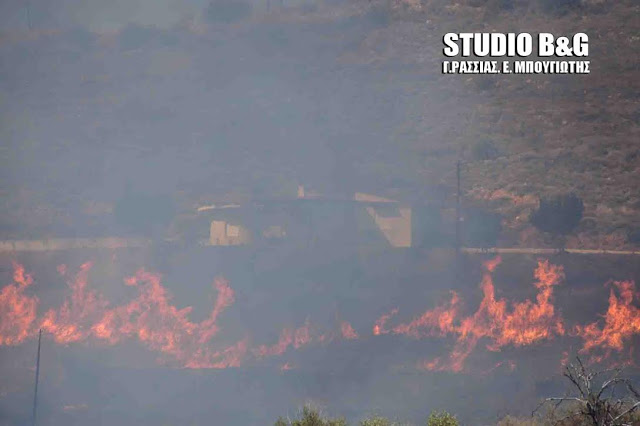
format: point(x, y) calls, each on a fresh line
point(97, 16)
point(122, 105)
point(253, 111)
point(121, 117)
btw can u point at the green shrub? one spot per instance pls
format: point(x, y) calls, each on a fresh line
point(559, 7)
point(484, 149)
point(311, 417)
point(634, 236)
point(377, 421)
point(558, 215)
point(515, 421)
point(442, 419)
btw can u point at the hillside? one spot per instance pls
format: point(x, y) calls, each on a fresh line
point(339, 97)
point(523, 137)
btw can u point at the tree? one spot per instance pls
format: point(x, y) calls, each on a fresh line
point(558, 215)
point(595, 402)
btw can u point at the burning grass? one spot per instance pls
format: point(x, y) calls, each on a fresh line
point(525, 323)
point(152, 319)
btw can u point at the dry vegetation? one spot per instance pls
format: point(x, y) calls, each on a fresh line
point(539, 135)
point(310, 416)
point(520, 138)
point(597, 398)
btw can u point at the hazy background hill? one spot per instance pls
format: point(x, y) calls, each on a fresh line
point(192, 100)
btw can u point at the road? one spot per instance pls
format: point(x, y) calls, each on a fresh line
point(8, 246)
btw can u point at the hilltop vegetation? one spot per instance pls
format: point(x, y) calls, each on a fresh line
point(340, 96)
point(533, 136)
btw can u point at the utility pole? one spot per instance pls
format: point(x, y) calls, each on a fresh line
point(28, 6)
point(35, 393)
point(458, 208)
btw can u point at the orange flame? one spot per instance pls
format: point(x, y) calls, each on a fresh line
point(286, 338)
point(150, 318)
point(286, 366)
point(17, 310)
point(526, 323)
point(347, 331)
point(439, 320)
point(74, 319)
point(621, 322)
point(379, 326)
point(160, 326)
point(296, 338)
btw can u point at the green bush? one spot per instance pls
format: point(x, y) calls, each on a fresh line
point(484, 149)
point(515, 421)
point(634, 236)
point(559, 7)
point(442, 419)
point(558, 215)
point(376, 421)
point(311, 417)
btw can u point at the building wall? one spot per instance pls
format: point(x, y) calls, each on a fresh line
point(316, 223)
point(396, 229)
point(222, 233)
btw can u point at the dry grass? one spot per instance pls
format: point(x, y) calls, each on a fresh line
point(548, 134)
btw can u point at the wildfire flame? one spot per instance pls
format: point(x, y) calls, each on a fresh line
point(151, 319)
point(525, 323)
point(17, 310)
point(379, 326)
point(621, 322)
point(347, 331)
point(296, 338)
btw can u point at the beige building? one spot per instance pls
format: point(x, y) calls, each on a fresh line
point(394, 222)
point(222, 233)
point(385, 220)
point(395, 228)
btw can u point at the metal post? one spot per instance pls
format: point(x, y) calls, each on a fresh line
point(458, 208)
point(35, 393)
point(29, 15)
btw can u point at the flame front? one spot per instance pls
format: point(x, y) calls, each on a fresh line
point(151, 319)
point(347, 331)
point(524, 324)
point(17, 310)
point(621, 322)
